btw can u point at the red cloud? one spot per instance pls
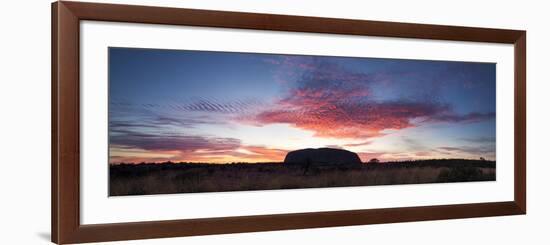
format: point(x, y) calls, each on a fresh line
point(333, 102)
point(262, 153)
point(350, 120)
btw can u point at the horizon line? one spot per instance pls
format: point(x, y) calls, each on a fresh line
point(281, 162)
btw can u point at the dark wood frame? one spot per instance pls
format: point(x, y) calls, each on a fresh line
point(66, 227)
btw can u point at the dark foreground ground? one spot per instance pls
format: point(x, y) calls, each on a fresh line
point(145, 179)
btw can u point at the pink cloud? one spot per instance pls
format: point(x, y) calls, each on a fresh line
point(338, 103)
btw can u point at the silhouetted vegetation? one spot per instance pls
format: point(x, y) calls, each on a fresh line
point(374, 160)
point(168, 177)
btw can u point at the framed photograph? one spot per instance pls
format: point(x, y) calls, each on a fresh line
point(178, 122)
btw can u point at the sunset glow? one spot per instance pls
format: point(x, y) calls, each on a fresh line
point(221, 107)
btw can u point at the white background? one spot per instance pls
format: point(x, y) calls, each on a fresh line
point(25, 124)
point(97, 207)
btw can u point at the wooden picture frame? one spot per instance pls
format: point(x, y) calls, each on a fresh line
point(66, 226)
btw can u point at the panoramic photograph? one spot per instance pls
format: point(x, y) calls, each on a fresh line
point(184, 121)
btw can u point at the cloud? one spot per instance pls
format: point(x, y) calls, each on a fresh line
point(480, 140)
point(250, 154)
point(131, 146)
point(348, 120)
point(197, 104)
point(257, 153)
point(213, 105)
point(423, 154)
point(368, 142)
point(488, 150)
point(161, 142)
point(155, 135)
point(334, 146)
point(467, 118)
point(156, 122)
point(338, 103)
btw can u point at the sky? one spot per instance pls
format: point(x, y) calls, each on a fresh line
point(224, 107)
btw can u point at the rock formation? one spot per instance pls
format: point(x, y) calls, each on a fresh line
point(322, 157)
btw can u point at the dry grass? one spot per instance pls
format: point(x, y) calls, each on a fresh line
point(167, 178)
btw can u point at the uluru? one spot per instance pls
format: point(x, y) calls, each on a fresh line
point(322, 157)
